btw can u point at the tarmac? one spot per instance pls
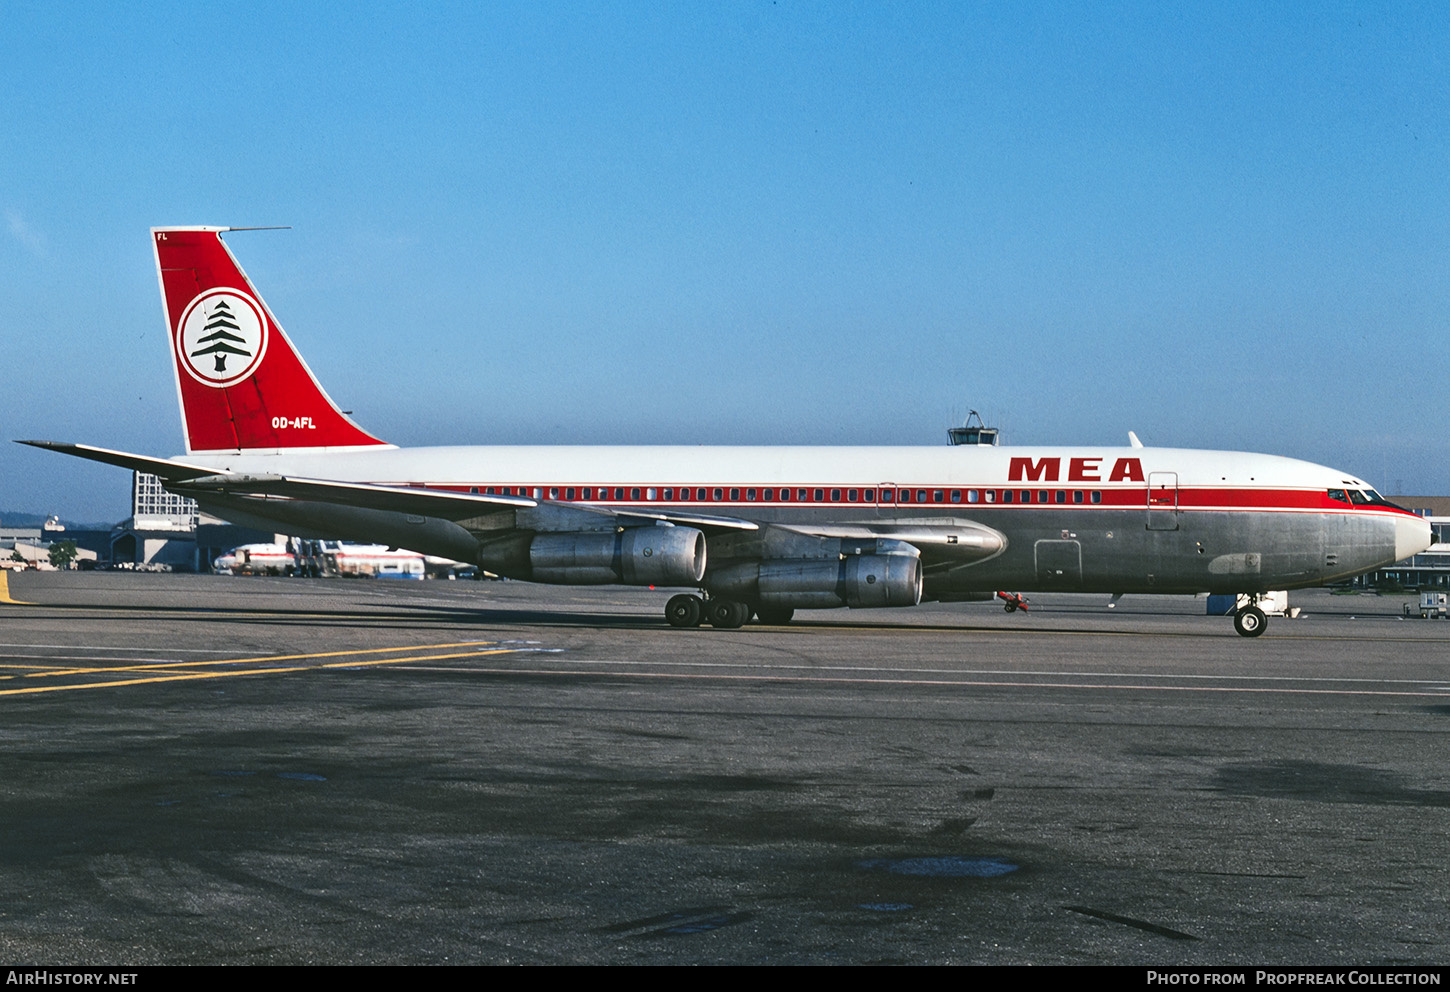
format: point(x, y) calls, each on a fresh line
point(215, 770)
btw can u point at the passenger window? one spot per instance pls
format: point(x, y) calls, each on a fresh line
point(835, 495)
point(1062, 495)
point(990, 495)
point(669, 492)
point(937, 495)
point(851, 495)
point(1042, 495)
point(768, 495)
point(869, 496)
point(750, 495)
point(735, 495)
point(800, 495)
point(1097, 496)
point(719, 495)
point(888, 495)
point(785, 495)
point(1006, 496)
point(553, 492)
point(906, 495)
point(569, 493)
point(820, 495)
point(921, 495)
point(1077, 495)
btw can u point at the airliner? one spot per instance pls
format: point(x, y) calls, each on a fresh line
point(749, 532)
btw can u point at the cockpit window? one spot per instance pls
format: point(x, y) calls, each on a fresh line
point(1360, 497)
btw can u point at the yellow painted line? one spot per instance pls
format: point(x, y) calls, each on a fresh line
point(186, 676)
point(5, 590)
point(158, 666)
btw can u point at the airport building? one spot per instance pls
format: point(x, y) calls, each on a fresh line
point(1430, 569)
point(167, 531)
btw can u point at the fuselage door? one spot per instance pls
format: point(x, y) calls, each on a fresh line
point(1162, 500)
point(886, 499)
point(1059, 564)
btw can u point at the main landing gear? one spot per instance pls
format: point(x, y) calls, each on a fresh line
point(688, 610)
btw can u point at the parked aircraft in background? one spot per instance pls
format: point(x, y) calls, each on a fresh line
point(763, 531)
point(256, 559)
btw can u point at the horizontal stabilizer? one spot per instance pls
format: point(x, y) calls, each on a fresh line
point(168, 470)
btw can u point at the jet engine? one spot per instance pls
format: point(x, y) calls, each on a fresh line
point(636, 556)
point(852, 580)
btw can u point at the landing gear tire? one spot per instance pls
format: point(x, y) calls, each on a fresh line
point(775, 616)
point(685, 610)
point(1010, 608)
point(1250, 621)
point(726, 614)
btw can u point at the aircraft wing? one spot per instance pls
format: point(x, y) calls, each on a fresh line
point(442, 503)
point(948, 540)
point(200, 481)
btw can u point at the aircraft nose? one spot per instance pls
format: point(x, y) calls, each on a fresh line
point(1412, 535)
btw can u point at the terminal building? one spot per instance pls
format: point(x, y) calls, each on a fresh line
point(1430, 569)
point(166, 531)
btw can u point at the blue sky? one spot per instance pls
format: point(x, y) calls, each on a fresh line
point(1221, 226)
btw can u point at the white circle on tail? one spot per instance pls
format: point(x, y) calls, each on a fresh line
point(221, 337)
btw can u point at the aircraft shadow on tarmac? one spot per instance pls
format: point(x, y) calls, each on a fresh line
point(485, 616)
point(1320, 782)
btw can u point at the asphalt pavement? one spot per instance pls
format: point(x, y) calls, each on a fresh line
point(202, 769)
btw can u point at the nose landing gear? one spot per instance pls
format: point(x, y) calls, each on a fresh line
point(1250, 621)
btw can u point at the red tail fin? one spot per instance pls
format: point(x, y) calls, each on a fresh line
point(242, 385)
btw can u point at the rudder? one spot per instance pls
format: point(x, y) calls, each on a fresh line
point(242, 385)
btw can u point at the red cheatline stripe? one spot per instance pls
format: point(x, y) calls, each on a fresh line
point(1227, 498)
